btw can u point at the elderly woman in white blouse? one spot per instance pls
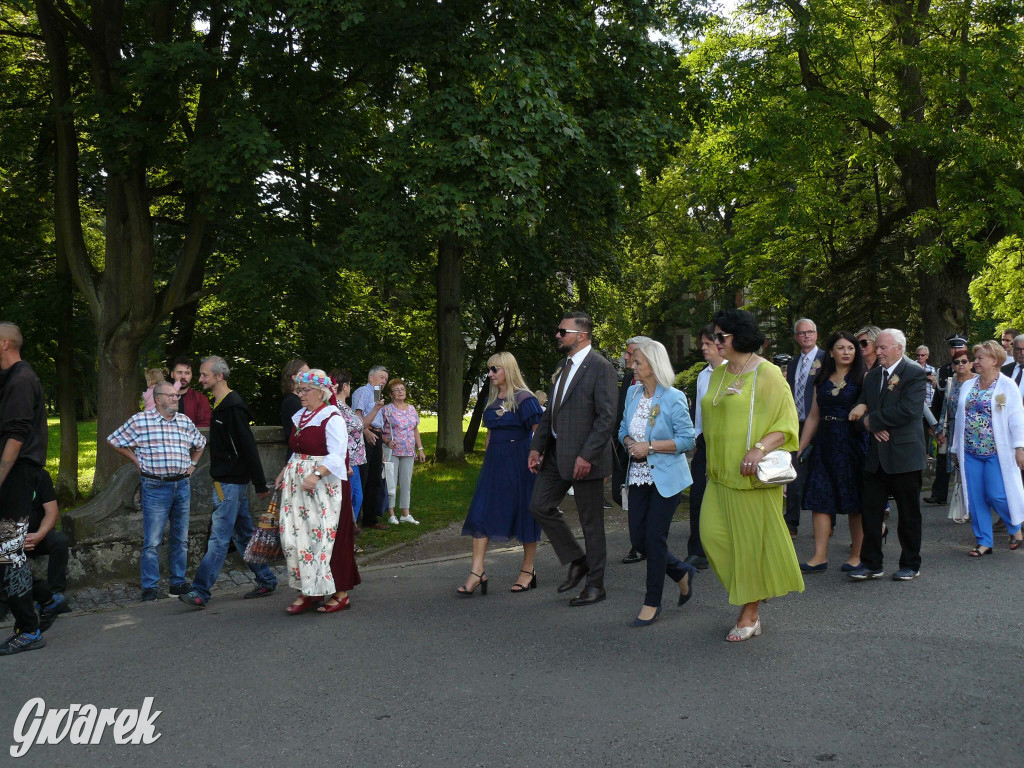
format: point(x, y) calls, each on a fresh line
point(989, 445)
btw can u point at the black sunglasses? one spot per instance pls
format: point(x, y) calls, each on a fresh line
point(961, 361)
point(720, 337)
point(864, 342)
point(494, 369)
point(562, 331)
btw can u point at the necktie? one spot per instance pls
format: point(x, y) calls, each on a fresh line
point(560, 391)
point(801, 385)
point(1019, 372)
point(885, 379)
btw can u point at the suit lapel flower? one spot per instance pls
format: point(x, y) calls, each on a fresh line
point(654, 414)
point(815, 366)
point(893, 382)
point(1000, 401)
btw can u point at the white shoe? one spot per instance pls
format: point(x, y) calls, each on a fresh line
point(409, 519)
point(392, 520)
point(571, 491)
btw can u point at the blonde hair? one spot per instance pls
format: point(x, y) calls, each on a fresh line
point(154, 376)
point(656, 355)
point(513, 380)
point(992, 349)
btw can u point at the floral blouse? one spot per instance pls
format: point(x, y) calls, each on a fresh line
point(400, 425)
point(979, 440)
point(640, 472)
point(356, 444)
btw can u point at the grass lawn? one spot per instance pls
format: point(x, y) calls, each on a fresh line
point(440, 493)
point(86, 452)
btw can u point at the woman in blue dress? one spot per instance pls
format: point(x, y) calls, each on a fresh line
point(500, 507)
point(836, 461)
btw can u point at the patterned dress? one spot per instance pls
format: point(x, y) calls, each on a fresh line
point(837, 461)
point(316, 538)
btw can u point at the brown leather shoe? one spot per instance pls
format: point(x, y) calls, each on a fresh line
point(380, 526)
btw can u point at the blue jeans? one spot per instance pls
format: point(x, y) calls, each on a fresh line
point(162, 501)
point(231, 520)
point(985, 489)
point(357, 493)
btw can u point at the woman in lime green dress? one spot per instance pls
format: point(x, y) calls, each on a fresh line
point(742, 527)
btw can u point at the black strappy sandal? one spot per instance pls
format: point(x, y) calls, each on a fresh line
point(517, 587)
point(482, 584)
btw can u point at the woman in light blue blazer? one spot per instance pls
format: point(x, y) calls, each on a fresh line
point(656, 429)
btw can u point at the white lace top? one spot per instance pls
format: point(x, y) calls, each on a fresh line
point(640, 473)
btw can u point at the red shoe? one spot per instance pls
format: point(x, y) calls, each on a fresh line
point(304, 603)
point(339, 605)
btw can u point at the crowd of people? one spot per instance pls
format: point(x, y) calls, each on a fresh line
point(855, 419)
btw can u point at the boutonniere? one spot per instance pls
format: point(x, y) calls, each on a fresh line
point(1000, 400)
point(893, 382)
point(500, 411)
point(654, 414)
point(815, 366)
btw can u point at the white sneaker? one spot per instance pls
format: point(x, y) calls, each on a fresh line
point(409, 519)
point(392, 520)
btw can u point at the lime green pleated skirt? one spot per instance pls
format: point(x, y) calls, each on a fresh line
point(748, 544)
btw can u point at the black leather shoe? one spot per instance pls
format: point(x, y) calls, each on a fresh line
point(576, 574)
point(930, 500)
point(698, 562)
point(633, 557)
point(588, 596)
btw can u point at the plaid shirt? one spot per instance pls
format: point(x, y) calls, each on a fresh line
point(163, 446)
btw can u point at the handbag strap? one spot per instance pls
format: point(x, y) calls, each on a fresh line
point(750, 423)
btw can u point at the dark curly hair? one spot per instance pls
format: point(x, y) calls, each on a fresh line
point(746, 336)
point(857, 367)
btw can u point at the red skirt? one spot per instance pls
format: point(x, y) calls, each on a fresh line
point(343, 556)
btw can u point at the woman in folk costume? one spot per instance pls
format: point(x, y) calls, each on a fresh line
point(315, 536)
point(989, 444)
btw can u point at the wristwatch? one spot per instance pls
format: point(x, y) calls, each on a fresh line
point(760, 446)
point(318, 473)
point(194, 463)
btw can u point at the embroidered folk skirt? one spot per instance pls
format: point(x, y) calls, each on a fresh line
point(309, 526)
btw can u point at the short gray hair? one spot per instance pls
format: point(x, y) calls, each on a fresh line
point(162, 387)
point(638, 340)
point(12, 333)
point(1018, 339)
point(898, 337)
point(871, 331)
point(805, 320)
point(656, 355)
point(376, 369)
point(923, 348)
point(217, 365)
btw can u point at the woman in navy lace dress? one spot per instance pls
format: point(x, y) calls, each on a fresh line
point(836, 460)
point(500, 509)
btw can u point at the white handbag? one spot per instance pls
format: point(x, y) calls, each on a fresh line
point(775, 467)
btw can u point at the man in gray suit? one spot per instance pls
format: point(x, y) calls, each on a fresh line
point(800, 374)
point(572, 448)
point(890, 410)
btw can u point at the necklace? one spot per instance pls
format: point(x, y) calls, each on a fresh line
point(304, 420)
point(732, 389)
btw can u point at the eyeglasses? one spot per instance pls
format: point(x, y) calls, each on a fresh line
point(922, 354)
point(300, 391)
point(961, 361)
point(721, 337)
point(864, 343)
point(494, 369)
point(562, 331)
point(1018, 349)
point(169, 395)
point(805, 333)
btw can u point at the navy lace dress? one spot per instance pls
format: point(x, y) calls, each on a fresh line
point(500, 509)
point(837, 461)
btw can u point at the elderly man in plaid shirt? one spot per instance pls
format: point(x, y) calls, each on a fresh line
point(165, 446)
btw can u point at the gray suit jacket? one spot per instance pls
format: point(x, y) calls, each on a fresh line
point(898, 409)
point(586, 419)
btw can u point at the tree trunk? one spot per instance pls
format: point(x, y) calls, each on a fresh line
point(118, 390)
point(469, 441)
point(943, 306)
point(67, 473)
point(451, 351)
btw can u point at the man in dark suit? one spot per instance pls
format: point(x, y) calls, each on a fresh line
point(620, 455)
point(572, 448)
point(890, 410)
point(1014, 368)
point(800, 374)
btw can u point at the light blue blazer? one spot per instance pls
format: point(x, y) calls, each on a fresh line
point(670, 471)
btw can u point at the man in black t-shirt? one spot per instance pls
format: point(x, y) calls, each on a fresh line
point(43, 539)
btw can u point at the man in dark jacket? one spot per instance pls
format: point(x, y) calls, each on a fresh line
point(234, 463)
point(22, 454)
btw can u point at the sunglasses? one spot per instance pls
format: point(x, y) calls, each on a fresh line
point(562, 331)
point(864, 343)
point(494, 369)
point(721, 337)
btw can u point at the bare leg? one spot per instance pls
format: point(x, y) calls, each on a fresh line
point(856, 537)
point(529, 553)
point(479, 550)
point(748, 616)
point(822, 531)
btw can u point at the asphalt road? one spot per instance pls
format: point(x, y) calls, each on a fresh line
point(870, 674)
